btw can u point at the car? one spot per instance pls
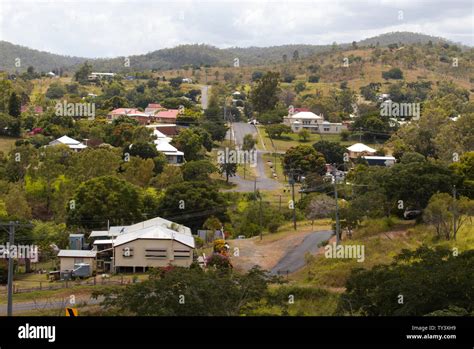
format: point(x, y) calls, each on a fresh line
point(411, 213)
point(240, 237)
point(253, 122)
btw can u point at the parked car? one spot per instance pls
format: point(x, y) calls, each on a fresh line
point(411, 213)
point(253, 122)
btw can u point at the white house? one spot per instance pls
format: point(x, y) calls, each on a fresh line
point(70, 258)
point(174, 156)
point(156, 242)
point(359, 149)
point(312, 122)
point(70, 142)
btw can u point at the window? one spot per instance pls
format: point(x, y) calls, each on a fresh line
point(156, 253)
point(326, 129)
point(182, 254)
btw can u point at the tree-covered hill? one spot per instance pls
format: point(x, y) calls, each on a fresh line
point(197, 55)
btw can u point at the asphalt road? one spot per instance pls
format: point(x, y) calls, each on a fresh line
point(294, 259)
point(240, 129)
point(238, 132)
point(53, 303)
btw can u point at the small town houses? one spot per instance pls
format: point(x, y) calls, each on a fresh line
point(154, 113)
point(156, 242)
point(299, 119)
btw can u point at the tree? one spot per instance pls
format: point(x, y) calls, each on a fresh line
point(16, 204)
point(304, 135)
point(206, 293)
point(55, 91)
point(303, 159)
point(199, 170)
point(300, 87)
point(431, 279)
point(321, 206)
point(82, 74)
point(264, 95)
point(464, 168)
point(169, 176)
point(138, 171)
point(276, 130)
point(191, 203)
point(443, 211)
point(248, 142)
point(14, 105)
point(94, 162)
point(229, 168)
point(142, 150)
point(212, 223)
point(105, 198)
point(394, 73)
point(296, 55)
point(333, 152)
point(190, 142)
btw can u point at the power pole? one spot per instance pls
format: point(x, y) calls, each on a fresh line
point(454, 212)
point(260, 217)
point(11, 239)
point(292, 183)
point(337, 207)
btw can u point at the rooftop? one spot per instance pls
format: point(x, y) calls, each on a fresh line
point(77, 253)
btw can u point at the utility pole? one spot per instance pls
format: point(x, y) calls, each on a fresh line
point(260, 217)
point(11, 239)
point(337, 207)
point(454, 212)
point(292, 183)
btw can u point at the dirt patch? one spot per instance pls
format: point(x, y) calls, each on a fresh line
point(264, 254)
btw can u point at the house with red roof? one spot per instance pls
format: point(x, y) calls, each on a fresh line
point(167, 116)
point(153, 108)
point(141, 117)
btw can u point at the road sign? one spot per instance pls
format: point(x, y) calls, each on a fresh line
point(71, 311)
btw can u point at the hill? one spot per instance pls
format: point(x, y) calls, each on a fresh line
point(197, 55)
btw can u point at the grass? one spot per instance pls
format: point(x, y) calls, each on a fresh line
point(7, 144)
point(292, 140)
point(381, 242)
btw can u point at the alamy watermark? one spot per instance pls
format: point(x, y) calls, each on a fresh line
point(18, 251)
point(345, 251)
point(75, 109)
point(237, 156)
point(392, 109)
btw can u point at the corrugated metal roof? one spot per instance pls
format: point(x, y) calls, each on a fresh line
point(77, 253)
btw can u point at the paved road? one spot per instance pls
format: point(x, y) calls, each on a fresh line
point(53, 303)
point(239, 130)
point(294, 259)
point(204, 96)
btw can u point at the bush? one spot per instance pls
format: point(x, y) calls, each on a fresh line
point(218, 261)
point(313, 78)
point(394, 73)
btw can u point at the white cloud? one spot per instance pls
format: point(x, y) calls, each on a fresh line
point(120, 28)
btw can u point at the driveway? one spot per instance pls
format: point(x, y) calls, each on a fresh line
point(294, 259)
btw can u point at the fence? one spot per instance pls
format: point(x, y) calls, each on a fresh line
point(57, 285)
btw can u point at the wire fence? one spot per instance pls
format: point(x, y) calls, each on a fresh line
point(57, 285)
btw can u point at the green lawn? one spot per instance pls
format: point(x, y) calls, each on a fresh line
point(7, 143)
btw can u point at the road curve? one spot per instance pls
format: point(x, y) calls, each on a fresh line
point(294, 259)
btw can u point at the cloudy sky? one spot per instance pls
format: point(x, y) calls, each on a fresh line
point(108, 28)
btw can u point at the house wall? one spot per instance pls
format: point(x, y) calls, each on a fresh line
point(165, 256)
point(67, 263)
